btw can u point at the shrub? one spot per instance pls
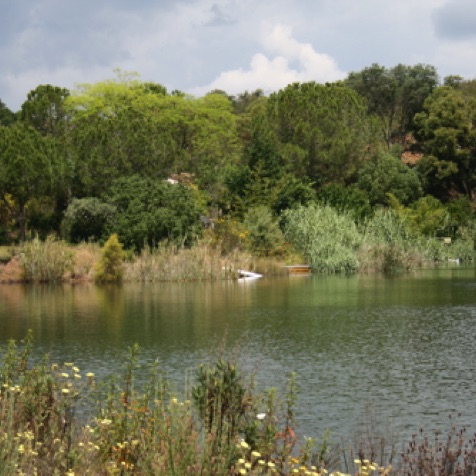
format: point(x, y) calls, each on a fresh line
point(85, 219)
point(110, 266)
point(150, 211)
point(264, 237)
point(45, 261)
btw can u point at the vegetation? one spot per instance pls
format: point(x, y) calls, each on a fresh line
point(45, 261)
point(109, 268)
point(59, 419)
point(128, 157)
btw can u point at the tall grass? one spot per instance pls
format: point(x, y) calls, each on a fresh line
point(202, 262)
point(45, 261)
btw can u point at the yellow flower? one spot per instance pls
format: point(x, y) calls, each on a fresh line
point(64, 391)
point(90, 375)
point(244, 445)
point(255, 454)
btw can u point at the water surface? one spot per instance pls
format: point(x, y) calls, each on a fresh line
point(405, 345)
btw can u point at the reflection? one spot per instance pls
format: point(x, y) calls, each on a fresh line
point(405, 342)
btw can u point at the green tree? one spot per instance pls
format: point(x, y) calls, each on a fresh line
point(27, 169)
point(151, 210)
point(329, 124)
point(350, 199)
point(385, 174)
point(123, 127)
point(44, 109)
point(446, 129)
point(7, 117)
point(394, 95)
point(86, 219)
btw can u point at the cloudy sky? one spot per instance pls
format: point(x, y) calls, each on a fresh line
point(234, 45)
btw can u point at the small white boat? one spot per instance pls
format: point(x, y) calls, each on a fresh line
point(247, 275)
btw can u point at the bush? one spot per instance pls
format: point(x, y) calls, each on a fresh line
point(150, 211)
point(264, 237)
point(110, 266)
point(86, 219)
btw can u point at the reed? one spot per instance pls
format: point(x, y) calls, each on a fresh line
point(45, 261)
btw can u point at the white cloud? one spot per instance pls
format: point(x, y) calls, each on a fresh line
point(294, 62)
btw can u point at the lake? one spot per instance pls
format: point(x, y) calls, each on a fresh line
point(404, 345)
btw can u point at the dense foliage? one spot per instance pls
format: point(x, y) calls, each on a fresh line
point(128, 157)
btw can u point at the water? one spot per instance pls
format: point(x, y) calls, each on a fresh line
point(404, 346)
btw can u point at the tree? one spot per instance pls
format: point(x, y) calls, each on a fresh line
point(125, 127)
point(394, 95)
point(385, 174)
point(44, 109)
point(150, 211)
point(27, 169)
point(86, 219)
point(446, 129)
point(7, 117)
point(330, 126)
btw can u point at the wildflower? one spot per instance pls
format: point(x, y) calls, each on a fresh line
point(261, 462)
point(255, 454)
point(77, 376)
point(241, 461)
point(64, 391)
point(90, 375)
point(65, 375)
point(105, 422)
point(244, 445)
point(248, 465)
point(242, 471)
point(76, 369)
point(271, 464)
point(68, 364)
point(261, 416)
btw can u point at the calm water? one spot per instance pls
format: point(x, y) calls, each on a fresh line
point(406, 345)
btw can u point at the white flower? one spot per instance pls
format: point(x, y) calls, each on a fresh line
point(261, 416)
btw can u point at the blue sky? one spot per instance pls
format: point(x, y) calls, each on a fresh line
point(234, 45)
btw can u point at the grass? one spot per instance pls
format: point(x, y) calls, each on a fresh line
point(57, 419)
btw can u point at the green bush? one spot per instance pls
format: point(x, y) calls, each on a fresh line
point(110, 266)
point(264, 237)
point(86, 219)
point(150, 211)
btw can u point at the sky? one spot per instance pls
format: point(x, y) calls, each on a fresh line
point(234, 45)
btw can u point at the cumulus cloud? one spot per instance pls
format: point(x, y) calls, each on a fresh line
point(293, 62)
